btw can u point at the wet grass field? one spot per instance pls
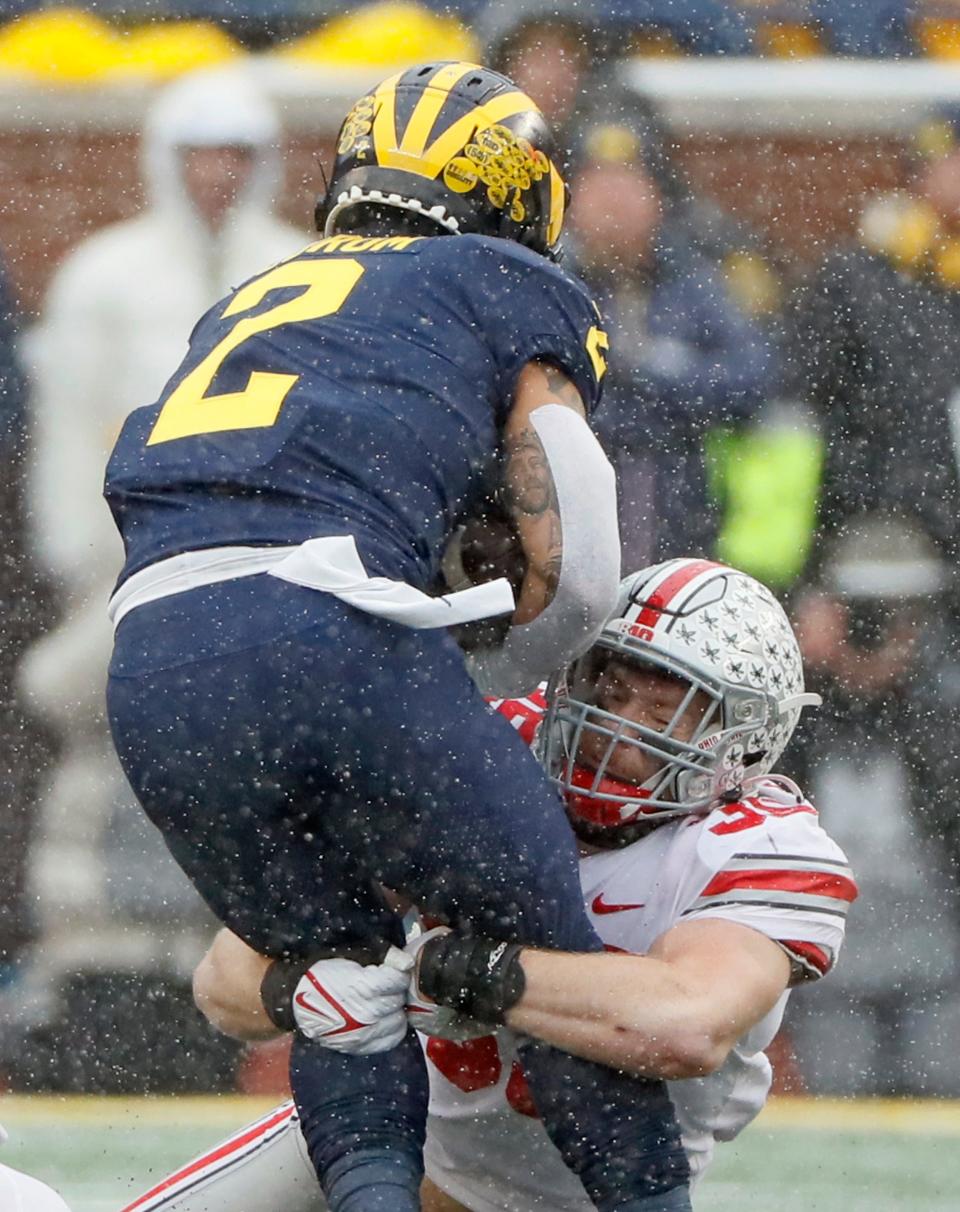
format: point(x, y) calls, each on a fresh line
point(802, 1155)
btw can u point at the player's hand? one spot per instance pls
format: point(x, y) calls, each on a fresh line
point(355, 1008)
point(425, 1015)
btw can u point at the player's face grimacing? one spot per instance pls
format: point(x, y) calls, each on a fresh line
point(638, 696)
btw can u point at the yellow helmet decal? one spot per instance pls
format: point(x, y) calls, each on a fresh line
point(411, 152)
point(505, 162)
point(385, 118)
point(558, 205)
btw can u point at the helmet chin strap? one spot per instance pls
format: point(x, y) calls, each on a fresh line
point(650, 785)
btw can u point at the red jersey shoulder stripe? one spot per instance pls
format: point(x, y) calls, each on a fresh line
point(837, 884)
point(792, 882)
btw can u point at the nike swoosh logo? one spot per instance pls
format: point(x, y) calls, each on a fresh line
point(601, 906)
point(309, 1006)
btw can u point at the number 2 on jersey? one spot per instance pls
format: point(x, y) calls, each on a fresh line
point(189, 411)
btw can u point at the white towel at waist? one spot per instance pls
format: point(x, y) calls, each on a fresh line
point(330, 565)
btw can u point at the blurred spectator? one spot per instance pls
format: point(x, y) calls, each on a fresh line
point(687, 358)
point(702, 27)
point(875, 626)
point(877, 344)
point(383, 34)
point(877, 347)
point(549, 48)
point(24, 610)
point(877, 350)
point(562, 53)
point(868, 28)
point(117, 318)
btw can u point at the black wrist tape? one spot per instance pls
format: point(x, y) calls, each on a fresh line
point(280, 980)
point(277, 989)
point(474, 976)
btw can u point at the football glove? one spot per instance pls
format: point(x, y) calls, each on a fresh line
point(428, 1016)
point(355, 1008)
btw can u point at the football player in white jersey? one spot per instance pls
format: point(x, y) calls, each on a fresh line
point(708, 876)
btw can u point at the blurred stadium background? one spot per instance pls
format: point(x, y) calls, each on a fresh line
point(805, 149)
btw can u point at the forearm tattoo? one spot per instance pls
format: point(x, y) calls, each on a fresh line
point(531, 497)
point(527, 481)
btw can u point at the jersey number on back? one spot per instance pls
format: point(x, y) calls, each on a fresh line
point(189, 411)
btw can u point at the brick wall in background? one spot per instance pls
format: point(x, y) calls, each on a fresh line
point(803, 194)
point(56, 187)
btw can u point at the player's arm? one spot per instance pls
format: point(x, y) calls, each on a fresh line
point(673, 1013)
point(354, 1002)
point(560, 492)
point(226, 989)
point(529, 487)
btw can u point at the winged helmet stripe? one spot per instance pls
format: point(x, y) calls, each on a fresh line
point(431, 102)
point(658, 598)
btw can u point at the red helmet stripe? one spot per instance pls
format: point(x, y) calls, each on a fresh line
point(667, 590)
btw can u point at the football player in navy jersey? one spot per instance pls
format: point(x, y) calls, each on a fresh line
point(284, 695)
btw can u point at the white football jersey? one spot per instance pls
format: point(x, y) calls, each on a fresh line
point(764, 862)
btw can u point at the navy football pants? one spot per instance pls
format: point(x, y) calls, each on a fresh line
point(294, 752)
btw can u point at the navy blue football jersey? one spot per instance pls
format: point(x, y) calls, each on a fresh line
point(358, 388)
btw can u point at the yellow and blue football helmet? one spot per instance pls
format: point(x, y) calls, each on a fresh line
point(457, 143)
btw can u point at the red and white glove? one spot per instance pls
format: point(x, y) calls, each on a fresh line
point(355, 1008)
point(426, 1015)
